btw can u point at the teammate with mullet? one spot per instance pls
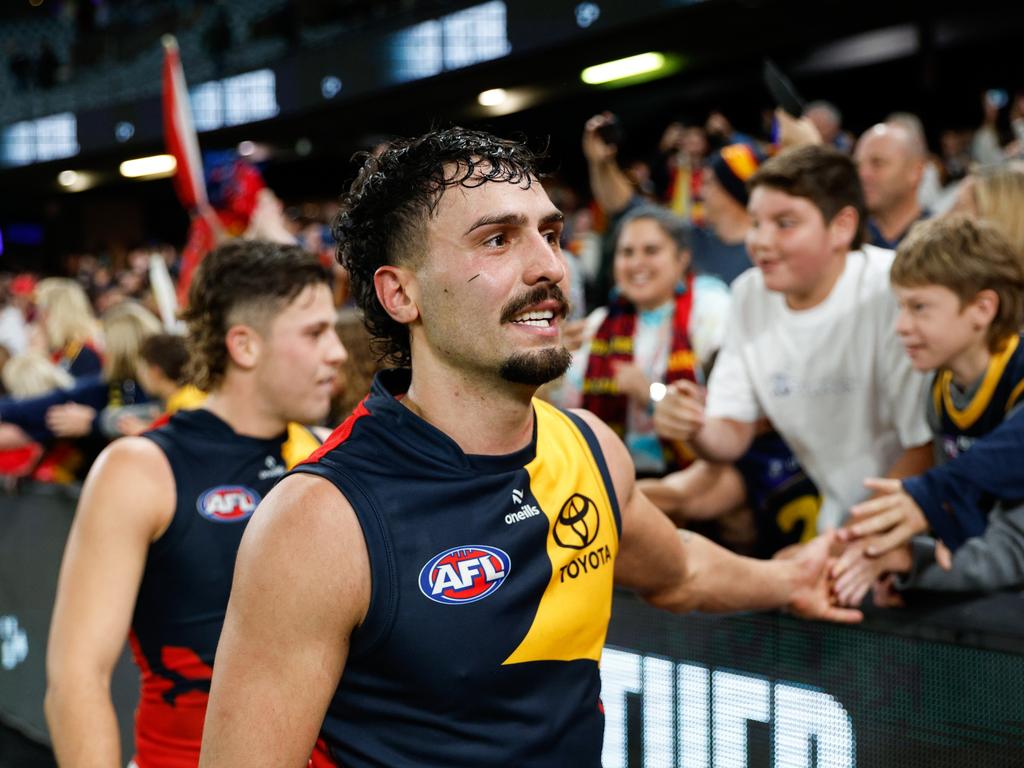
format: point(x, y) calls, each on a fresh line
point(153, 544)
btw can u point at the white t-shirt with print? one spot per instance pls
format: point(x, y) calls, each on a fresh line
point(833, 379)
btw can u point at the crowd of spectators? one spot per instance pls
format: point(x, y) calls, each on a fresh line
point(760, 318)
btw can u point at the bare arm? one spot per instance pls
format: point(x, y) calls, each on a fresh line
point(702, 491)
point(912, 462)
point(127, 501)
point(682, 571)
point(724, 440)
point(301, 585)
point(611, 188)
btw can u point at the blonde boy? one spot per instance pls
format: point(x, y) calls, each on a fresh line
point(960, 288)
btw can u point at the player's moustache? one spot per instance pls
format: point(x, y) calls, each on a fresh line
point(535, 296)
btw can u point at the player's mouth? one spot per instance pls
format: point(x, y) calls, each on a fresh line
point(537, 317)
point(539, 310)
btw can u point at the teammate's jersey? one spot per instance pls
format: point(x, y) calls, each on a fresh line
point(491, 592)
point(220, 477)
point(1000, 391)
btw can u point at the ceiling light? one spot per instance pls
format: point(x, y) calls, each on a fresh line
point(620, 69)
point(492, 98)
point(154, 166)
point(67, 178)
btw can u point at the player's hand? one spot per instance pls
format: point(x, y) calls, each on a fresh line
point(865, 572)
point(631, 381)
point(892, 518)
point(70, 419)
point(680, 414)
point(812, 597)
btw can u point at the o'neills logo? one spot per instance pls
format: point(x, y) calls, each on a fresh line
point(464, 574)
point(578, 523)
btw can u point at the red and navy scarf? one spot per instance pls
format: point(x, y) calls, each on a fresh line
point(613, 342)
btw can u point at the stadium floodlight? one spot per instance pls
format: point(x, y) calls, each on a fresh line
point(492, 97)
point(149, 167)
point(643, 64)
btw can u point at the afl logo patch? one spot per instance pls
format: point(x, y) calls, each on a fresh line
point(228, 503)
point(464, 574)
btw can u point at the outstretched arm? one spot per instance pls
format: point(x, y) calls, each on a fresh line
point(301, 585)
point(127, 501)
point(682, 571)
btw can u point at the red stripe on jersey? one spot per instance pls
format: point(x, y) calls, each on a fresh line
point(321, 758)
point(341, 434)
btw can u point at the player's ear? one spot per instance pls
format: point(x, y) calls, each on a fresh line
point(244, 345)
point(398, 293)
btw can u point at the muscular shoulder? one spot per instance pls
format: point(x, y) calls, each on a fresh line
point(616, 456)
point(306, 530)
point(132, 473)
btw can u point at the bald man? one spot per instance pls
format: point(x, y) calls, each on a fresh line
point(890, 160)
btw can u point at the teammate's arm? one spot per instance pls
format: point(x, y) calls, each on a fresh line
point(301, 585)
point(127, 501)
point(682, 571)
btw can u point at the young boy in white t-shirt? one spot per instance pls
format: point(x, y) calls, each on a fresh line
point(810, 343)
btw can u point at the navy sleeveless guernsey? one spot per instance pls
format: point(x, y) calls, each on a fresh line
point(491, 593)
point(220, 477)
point(1000, 391)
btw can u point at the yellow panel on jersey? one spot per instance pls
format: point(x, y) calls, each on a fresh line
point(583, 539)
point(300, 443)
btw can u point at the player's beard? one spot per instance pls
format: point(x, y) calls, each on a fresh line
point(536, 368)
point(540, 366)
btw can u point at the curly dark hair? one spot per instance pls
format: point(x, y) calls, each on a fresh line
point(243, 280)
point(384, 214)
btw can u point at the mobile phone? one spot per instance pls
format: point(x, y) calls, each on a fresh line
point(782, 89)
point(611, 131)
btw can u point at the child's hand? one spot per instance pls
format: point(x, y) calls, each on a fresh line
point(855, 581)
point(891, 519)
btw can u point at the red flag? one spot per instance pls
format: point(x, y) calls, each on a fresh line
point(180, 131)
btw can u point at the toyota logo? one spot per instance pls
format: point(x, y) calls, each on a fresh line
point(578, 522)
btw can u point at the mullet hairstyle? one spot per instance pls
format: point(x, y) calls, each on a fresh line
point(384, 215)
point(821, 174)
point(247, 281)
point(967, 257)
